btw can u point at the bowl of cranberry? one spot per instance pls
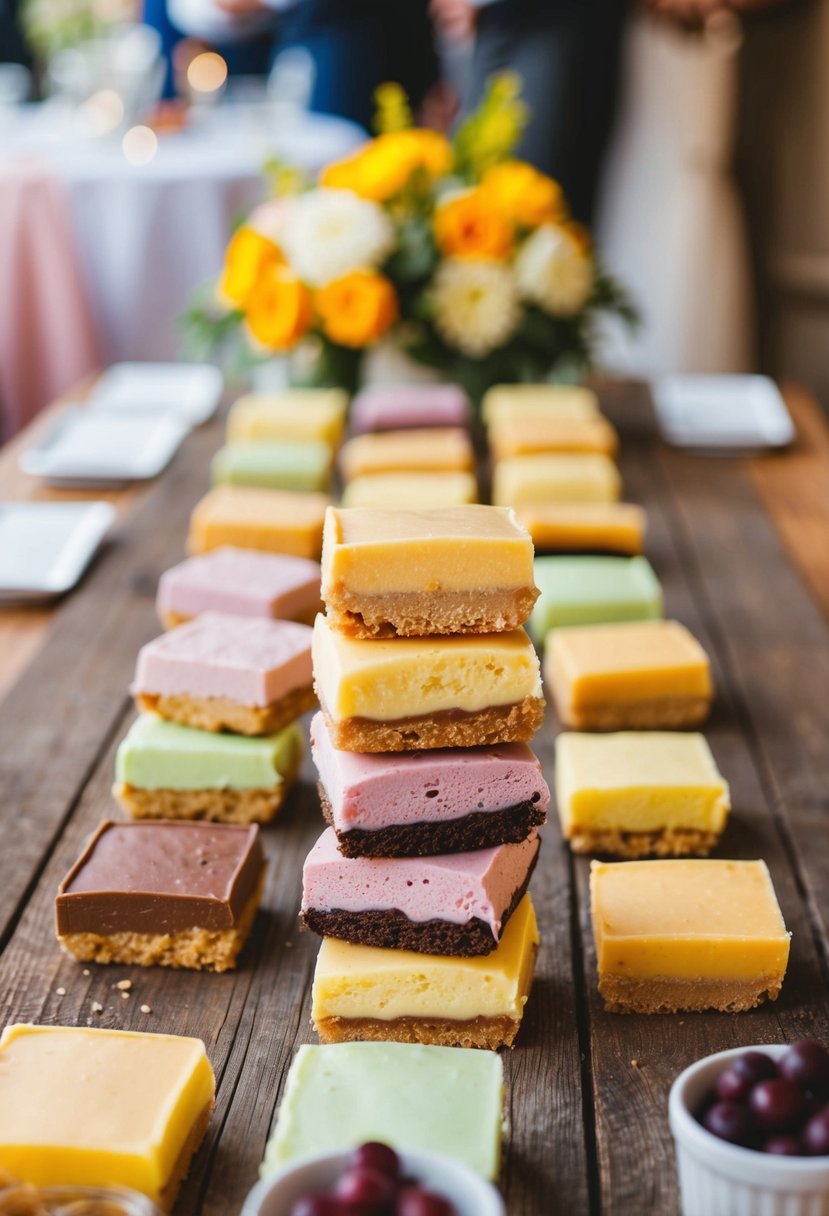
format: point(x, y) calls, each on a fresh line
point(374, 1180)
point(752, 1132)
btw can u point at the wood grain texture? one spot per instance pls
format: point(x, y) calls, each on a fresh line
point(586, 1090)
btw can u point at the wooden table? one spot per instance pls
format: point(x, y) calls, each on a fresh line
point(742, 549)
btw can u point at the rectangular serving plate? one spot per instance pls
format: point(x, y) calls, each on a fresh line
point(46, 546)
point(722, 414)
point(96, 448)
point(187, 391)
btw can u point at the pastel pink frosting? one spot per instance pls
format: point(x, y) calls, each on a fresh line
point(397, 406)
point(455, 887)
point(379, 791)
point(243, 582)
point(244, 659)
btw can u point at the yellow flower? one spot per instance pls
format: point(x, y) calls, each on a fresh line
point(248, 256)
point(468, 226)
point(278, 310)
point(383, 167)
point(523, 194)
point(358, 308)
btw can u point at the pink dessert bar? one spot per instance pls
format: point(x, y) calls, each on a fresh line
point(451, 904)
point(403, 406)
point(223, 672)
point(241, 581)
point(415, 804)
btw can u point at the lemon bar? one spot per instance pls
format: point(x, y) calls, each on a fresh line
point(425, 449)
point(524, 401)
point(683, 935)
point(278, 521)
point(637, 794)
point(305, 414)
point(364, 993)
point(636, 675)
point(430, 571)
point(403, 490)
point(555, 477)
point(593, 591)
point(91, 1107)
point(513, 436)
point(405, 694)
point(271, 464)
point(585, 527)
point(415, 1097)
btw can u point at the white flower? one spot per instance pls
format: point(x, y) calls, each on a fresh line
point(330, 232)
point(476, 305)
point(554, 271)
point(269, 219)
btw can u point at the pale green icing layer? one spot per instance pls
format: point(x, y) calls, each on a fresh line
point(593, 591)
point(160, 755)
point(445, 1100)
point(275, 465)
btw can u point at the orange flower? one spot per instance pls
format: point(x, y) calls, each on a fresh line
point(357, 309)
point(247, 257)
point(522, 194)
point(383, 167)
point(468, 226)
point(278, 310)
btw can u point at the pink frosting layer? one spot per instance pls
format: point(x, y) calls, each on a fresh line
point(243, 582)
point(397, 406)
point(378, 791)
point(455, 887)
point(251, 661)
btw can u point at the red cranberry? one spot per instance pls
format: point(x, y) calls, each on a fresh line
point(378, 1157)
point(784, 1146)
point(807, 1063)
point(755, 1066)
point(728, 1121)
point(416, 1202)
point(816, 1134)
point(365, 1188)
point(733, 1086)
point(777, 1106)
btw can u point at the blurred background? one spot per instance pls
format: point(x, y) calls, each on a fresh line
point(690, 135)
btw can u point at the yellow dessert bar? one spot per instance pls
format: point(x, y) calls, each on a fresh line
point(277, 521)
point(424, 450)
point(404, 490)
point(525, 401)
point(639, 793)
point(636, 675)
point(430, 571)
point(686, 935)
point(525, 436)
point(402, 694)
point(555, 477)
point(585, 527)
point(297, 414)
point(102, 1107)
point(361, 992)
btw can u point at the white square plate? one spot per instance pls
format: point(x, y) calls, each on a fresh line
point(722, 414)
point(97, 448)
point(189, 391)
point(46, 546)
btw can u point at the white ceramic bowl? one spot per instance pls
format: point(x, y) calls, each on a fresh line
point(471, 1194)
point(721, 1179)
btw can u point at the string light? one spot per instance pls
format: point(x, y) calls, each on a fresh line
point(139, 145)
point(206, 72)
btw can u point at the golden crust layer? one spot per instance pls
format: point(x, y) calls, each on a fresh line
point(625, 994)
point(194, 949)
point(220, 714)
point(669, 842)
point(421, 614)
point(663, 713)
point(488, 1033)
point(171, 620)
point(216, 806)
point(449, 728)
point(169, 1193)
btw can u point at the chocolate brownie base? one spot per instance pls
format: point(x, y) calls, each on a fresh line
point(390, 929)
point(446, 728)
point(414, 614)
point(487, 1033)
point(477, 830)
point(218, 714)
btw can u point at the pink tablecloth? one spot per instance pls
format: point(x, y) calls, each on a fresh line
point(47, 336)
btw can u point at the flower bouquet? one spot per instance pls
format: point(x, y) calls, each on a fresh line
point(463, 255)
